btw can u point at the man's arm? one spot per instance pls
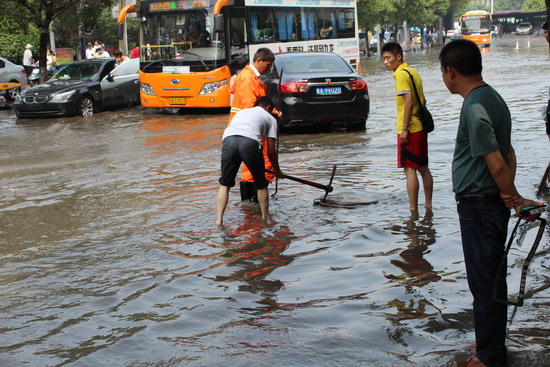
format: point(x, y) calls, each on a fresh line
point(274, 156)
point(406, 117)
point(504, 174)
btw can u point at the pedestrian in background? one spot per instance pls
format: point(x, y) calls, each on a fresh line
point(99, 54)
point(105, 52)
point(483, 170)
point(134, 54)
point(412, 140)
point(119, 57)
point(28, 61)
point(90, 51)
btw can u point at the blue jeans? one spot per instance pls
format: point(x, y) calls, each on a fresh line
point(484, 230)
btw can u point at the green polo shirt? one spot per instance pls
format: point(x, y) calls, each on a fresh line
point(485, 127)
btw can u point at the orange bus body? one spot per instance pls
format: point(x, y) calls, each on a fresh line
point(183, 90)
point(476, 27)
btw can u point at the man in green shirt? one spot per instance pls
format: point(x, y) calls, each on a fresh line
point(484, 166)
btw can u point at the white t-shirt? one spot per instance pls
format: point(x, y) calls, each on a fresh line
point(90, 53)
point(254, 123)
point(27, 57)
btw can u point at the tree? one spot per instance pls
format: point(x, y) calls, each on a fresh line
point(41, 14)
point(534, 5)
point(505, 5)
point(15, 33)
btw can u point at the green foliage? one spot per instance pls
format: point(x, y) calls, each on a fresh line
point(505, 5)
point(534, 5)
point(417, 13)
point(15, 34)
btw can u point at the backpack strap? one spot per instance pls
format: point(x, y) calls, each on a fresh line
point(414, 86)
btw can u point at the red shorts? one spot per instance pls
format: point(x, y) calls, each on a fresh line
point(414, 153)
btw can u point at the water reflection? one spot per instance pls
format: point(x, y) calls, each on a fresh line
point(419, 235)
point(169, 133)
point(416, 270)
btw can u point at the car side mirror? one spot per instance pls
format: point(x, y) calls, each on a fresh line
point(110, 78)
point(2, 64)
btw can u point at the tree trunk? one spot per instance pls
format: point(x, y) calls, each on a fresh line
point(44, 36)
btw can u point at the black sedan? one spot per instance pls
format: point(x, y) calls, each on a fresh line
point(82, 88)
point(317, 89)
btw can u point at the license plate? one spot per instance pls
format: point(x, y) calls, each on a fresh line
point(180, 100)
point(329, 91)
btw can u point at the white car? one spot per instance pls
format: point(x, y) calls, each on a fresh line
point(11, 73)
point(524, 28)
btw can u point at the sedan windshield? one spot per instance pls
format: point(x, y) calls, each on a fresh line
point(317, 64)
point(78, 71)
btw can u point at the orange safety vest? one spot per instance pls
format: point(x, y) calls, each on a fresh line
point(247, 88)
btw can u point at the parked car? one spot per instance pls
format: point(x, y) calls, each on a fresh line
point(388, 37)
point(457, 34)
point(317, 88)
point(82, 88)
point(11, 73)
point(524, 28)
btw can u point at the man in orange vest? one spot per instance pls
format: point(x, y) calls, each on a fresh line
point(247, 88)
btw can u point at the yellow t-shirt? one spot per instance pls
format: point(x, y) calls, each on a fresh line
point(403, 85)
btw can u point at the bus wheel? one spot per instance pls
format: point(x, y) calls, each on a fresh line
point(86, 106)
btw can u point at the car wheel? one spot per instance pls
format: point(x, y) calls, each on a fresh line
point(358, 125)
point(12, 93)
point(86, 106)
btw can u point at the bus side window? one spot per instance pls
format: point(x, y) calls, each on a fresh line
point(238, 39)
point(262, 25)
point(345, 22)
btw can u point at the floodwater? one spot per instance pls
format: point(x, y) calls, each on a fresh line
point(109, 255)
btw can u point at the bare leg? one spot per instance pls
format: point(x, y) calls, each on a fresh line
point(221, 203)
point(263, 198)
point(428, 183)
point(412, 188)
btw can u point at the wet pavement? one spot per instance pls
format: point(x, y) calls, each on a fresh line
point(109, 255)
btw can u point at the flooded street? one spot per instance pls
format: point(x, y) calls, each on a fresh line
point(109, 255)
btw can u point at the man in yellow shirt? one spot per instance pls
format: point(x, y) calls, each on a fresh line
point(412, 140)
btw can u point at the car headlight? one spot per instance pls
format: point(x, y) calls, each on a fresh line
point(62, 97)
point(147, 89)
point(212, 87)
point(17, 98)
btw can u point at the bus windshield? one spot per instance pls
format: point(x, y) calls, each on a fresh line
point(184, 38)
point(476, 24)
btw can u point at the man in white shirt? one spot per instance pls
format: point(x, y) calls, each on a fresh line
point(28, 62)
point(90, 51)
point(242, 142)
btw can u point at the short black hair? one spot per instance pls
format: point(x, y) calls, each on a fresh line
point(117, 53)
point(545, 26)
point(264, 54)
point(264, 102)
point(462, 55)
point(393, 47)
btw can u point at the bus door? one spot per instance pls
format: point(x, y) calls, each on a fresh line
point(237, 39)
